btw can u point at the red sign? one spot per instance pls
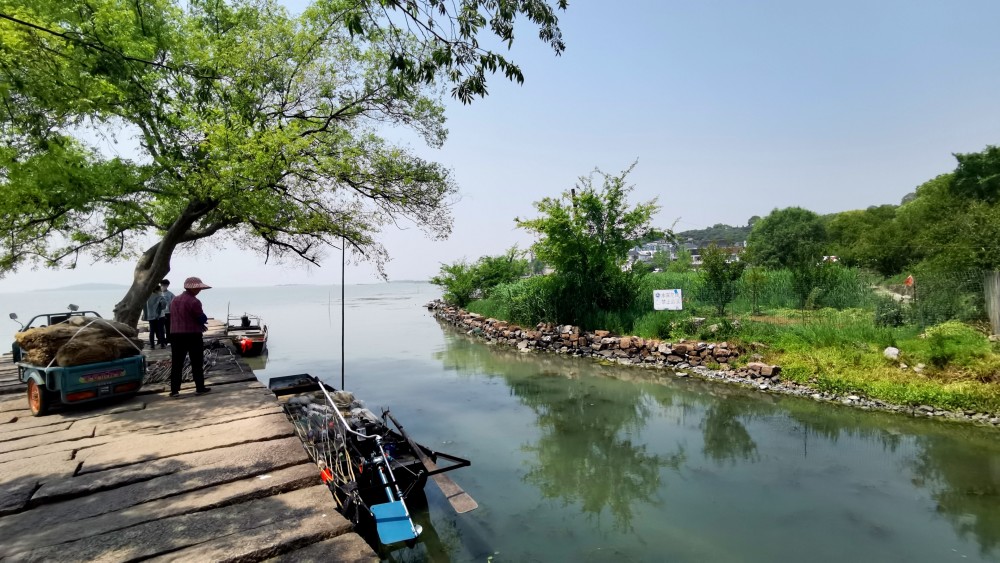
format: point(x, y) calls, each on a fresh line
point(909, 281)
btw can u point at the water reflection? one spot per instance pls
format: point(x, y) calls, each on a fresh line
point(847, 471)
point(726, 438)
point(586, 453)
point(965, 484)
point(256, 363)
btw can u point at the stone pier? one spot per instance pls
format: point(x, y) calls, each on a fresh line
point(217, 477)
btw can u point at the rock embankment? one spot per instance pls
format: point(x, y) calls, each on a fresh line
point(602, 345)
point(721, 361)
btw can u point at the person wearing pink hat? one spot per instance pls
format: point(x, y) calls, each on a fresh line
point(187, 323)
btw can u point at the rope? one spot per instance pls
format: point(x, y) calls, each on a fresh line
point(75, 334)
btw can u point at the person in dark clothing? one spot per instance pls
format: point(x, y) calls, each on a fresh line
point(186, 327)
point(168, 296)
point(153, 313)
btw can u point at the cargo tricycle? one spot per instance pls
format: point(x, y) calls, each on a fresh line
point(50, 385)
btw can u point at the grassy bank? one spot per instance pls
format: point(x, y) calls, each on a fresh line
point(838, 348)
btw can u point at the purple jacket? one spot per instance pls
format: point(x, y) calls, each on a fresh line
point(186, 314)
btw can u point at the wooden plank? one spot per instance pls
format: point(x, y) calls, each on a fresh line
point(457, 497)
point(461, 501)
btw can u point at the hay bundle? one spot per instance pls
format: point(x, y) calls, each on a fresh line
point(40, 345)
point(107, 326)
point(100, 348)
point(51, 336)
point(87, 350)
point(73, 343)
point(39, 356)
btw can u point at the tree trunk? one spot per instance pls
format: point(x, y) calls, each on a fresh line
point(152, 267)
point(154, 264)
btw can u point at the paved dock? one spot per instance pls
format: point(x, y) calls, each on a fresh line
point(217, 477)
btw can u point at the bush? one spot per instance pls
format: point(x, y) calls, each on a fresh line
point(948, 296)
point(458, 281)
point(656, 324)
point(462, 282)
point(888, 312)
point(527, 301)
point(955, 342)
point(719, 277)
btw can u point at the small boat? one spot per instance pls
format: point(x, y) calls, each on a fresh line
point(374, 471)
point(248, 333)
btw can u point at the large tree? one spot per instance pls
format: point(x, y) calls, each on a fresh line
point(786, 238)
point(585, 236)
point(949, 231)
point(977, 176)
point(251, 123)
point(870, 238)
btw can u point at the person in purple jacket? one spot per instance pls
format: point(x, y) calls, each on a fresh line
point(187, 323)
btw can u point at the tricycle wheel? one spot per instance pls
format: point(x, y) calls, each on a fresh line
point(38, 400)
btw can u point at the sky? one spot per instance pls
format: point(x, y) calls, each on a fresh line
point(730, 108)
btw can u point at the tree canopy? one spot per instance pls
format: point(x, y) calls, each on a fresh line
point(977, 176)
point(718, 234)
point(869, 238)
point(251, 123)
point(586, 234)
point(787, 237)
point(947, 231)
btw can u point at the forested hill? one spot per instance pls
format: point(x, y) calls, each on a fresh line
point(721, 235)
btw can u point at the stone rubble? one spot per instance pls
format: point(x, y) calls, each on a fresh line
point(716, 361)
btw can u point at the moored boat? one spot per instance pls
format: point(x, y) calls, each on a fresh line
point(248, 333)
point(374, 471)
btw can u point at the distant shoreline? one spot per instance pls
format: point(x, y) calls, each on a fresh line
point(123, 287)
point(84, 287)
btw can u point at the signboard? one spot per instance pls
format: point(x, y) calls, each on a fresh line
point(667, 300)
point(102, 376)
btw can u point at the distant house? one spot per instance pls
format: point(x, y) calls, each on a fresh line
point(645, 252)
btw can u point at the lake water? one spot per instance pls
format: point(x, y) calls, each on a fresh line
point(574, 461)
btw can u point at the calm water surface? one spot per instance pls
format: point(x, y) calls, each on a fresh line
point(573, 461)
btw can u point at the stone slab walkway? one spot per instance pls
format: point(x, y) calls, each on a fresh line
point(218, 477)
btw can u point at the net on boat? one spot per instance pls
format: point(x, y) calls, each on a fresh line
point(341, 456)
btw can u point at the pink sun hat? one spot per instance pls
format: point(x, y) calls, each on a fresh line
point(195, 283)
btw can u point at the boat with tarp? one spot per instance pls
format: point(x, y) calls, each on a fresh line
point(374, 470)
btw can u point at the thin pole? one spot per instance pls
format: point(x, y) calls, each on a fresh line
point(343, 307)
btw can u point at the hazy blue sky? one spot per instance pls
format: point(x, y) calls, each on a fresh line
point(732, 108)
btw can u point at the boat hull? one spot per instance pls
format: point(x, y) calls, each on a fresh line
point(369, 465)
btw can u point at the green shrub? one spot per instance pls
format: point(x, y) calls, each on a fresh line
point(655, 324)
point(888, 312)
point(945, 296)
point(462, 282)
point(718, 329)
point(953, 342)
point(719, 277)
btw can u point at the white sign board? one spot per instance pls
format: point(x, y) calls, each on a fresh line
point(667, 299)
